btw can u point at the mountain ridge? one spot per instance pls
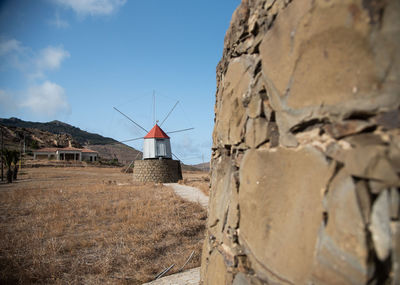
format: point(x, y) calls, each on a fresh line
point(58, 127)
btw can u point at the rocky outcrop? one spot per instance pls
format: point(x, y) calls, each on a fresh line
point(306, 146)
point(14, 137)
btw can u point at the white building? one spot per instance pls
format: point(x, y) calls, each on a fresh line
point(89, 155)
point(156, 144)
point(66, 153)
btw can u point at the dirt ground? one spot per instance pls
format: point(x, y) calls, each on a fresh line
point(87, 225)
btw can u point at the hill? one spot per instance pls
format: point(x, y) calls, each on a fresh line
point(33, 135)
point(203, 166)
point(57, 127)
point(125, 154)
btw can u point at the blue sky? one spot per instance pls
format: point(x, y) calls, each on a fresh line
point(73, 60)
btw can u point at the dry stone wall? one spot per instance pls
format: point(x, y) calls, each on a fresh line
point(306, 145)
point(157, 170)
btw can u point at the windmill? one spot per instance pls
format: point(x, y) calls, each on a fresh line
point(157, 164)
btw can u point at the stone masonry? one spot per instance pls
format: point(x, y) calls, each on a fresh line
point(157, 170)
point(306, 145)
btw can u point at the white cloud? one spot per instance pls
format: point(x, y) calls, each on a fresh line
point(51, 58)
point(43, 97)
point(58, 22)
point(14, 55)
point(185, 147)
point(33, 64)
point(46, 99)
point(9, 45)
point(7, 101)
point(92, 7)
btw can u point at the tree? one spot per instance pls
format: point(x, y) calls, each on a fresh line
point(34, 144)
point(8, 160)
point(15, 160)
point(11, 157)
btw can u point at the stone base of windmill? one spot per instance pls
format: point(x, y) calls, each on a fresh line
point(156, 170)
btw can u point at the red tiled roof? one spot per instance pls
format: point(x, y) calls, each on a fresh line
point(54, 149)
point(47, 149)
point(88, 150)
point(156, 132)
point(70, 148)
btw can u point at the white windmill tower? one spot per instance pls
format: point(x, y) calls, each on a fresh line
point(156, 144)
point(157, 164)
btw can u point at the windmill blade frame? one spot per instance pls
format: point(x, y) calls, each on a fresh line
point(130, 140)
point(176, 156)
point(183, 130)
point(169, 113)
point(126, 116)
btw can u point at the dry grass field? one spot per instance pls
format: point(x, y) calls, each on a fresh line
point(86, 225)
point(198, 179)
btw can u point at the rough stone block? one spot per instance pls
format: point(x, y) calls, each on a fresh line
point(230, 109)
point(394, 204)
point(220, 196)
point(216, 270)
point(342, 248)
point(395, 228)
point(380, 225)
point(256, 132)
point(371, 162)
point(280, 198)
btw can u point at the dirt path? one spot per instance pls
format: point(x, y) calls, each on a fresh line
point(189, 277)
point(192, 276)
point(189, 193)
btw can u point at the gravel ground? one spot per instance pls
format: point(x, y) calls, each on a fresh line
point(189, 193)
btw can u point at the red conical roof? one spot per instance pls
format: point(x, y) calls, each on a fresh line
point(156, 132)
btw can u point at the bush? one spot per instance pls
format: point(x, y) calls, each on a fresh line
point(34, 144)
